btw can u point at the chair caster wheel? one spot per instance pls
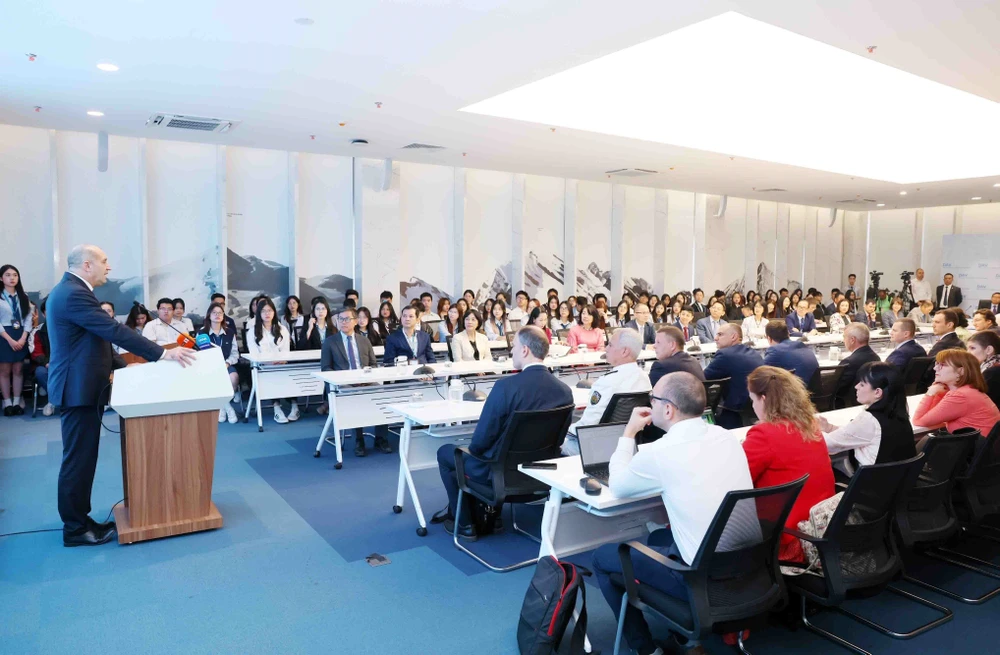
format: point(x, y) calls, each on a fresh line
point(338, 466)
point(316, 454)
point(396, 509)
point(260, 429)
point(421, 532)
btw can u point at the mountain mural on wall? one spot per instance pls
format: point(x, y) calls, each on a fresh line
point(121, 292)
point(541, 273)
point(636, 285)
point(332, 287)
point(194, 279)
point(251, 276)
point(411, 290)
point(592, 280)
point(499, 282)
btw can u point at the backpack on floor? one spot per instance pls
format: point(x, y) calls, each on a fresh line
point(548, 606)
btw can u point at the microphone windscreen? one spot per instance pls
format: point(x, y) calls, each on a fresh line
point(203, 342)
point(184, 341)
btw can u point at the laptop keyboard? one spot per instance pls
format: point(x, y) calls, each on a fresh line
point(599, 473)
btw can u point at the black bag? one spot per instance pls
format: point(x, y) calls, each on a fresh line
point(548, 606)
point(484, 517)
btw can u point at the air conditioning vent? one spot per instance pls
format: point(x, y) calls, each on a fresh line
point(422, 146)
point(631, 172)
point(775, 190)
point(196, 123)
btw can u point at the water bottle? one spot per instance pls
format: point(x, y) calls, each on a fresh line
point(455, 390)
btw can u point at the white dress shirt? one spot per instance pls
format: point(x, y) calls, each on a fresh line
point(624, 378)
point(516, 314)
point(159, 332)
point(921, 289)
point(267, 345)
point(752, 329)
point(863, 434)
point(945, 298)
point(693, 466)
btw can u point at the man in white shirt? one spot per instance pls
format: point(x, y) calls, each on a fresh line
point(519, 313)
point(427, 300)
point(626, 376)
point(693, 466)
point(920, 287)
point(159, 329)
point(852, 285)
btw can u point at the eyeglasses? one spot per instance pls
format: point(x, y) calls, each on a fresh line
point(345, 319)
point(653, 397)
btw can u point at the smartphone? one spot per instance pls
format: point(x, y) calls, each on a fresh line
point(545, 466)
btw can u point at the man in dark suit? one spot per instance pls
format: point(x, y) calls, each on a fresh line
point(856, 342)
point(534, 388)
point(947, 294)
point(787, 354)
point(80, 336)
point(943, 324)
point(408, 340)
point(670, 355)
point(801, 321)
point(643, 324)
point(902, 334)
point(698, 304)
point(869, 317)
point(993, 304)
point(346, 350)
point(734, 361)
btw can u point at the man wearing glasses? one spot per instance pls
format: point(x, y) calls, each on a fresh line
point(693, 466)
point(346, 350)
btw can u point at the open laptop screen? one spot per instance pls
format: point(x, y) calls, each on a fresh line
point(598, 443)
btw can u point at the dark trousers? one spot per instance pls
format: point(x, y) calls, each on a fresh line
point(42, 377)
point(446, 466)
point(729, 419)
point(81, 434)
point(381, 433)
point(607, 561)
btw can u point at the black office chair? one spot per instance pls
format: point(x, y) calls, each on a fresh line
point(529, 437)
point(915, 374)
point(734, 579)
point(561, 335)
point(510, 338)
point(747, 414)
point(823, 386)
point(715, 390)
point(858, 551)
point(451, 355)
point(979, 488)
point(619, 409)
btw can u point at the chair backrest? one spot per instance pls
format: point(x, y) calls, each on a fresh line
point(530, 436)
point(860, 551)
point(562, 334)
point(451, 354)
point(747, 414)
point(515, 324)
point(823, 386)
point(715, 391)
point(914, 373)
point(608, 331)
point(736, 567)
point(619, 409)
point(981, 483)
point(510, 338)
point(925, 513)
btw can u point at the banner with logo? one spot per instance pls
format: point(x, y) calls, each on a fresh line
point(974, 260)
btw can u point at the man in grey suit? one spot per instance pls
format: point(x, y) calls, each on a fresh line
point(709, 326)
point(346, 350)
point(643, 324)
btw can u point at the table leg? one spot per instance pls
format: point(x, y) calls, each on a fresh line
point(550, 521)
point(253, 393)
point(338, 437)
point(404, 451)
point(326, 426)
point(260, 416)
point(405, 468)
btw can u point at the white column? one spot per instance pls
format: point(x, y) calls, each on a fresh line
point(144, 219)
point(458, 225)
point(293, 215)
point(569, 239)
point(661, 211)
point(58, 266)
point(517, 235)
point(700, 211)
point(222, 216)
point(617, 242)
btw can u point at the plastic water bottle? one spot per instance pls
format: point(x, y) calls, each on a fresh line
point(455, 390)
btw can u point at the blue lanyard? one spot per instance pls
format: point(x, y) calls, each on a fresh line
point(15, 307)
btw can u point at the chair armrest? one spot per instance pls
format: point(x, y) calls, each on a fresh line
point(804, 537)
point(628, 573)
point(460, 455)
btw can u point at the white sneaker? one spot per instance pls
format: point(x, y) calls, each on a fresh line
point(294, 414)
point(279, 416)
point(222, 416)
point(231, 414)
point(236, 397)
point(48, 409)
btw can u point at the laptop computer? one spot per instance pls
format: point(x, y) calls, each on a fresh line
point(597, 444)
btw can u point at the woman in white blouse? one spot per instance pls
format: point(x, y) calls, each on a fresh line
point(621, 315)
point(497, 325)
point(449, 326)
point(563, 318)
point(470, 344)
point(269, 337)
point(753, 326)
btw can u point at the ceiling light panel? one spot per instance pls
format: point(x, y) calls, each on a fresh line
point(737, 86)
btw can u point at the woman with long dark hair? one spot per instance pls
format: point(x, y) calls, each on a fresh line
point(294, 321)
point(449, 327)
point(563, 318)
point(15, 325)
point(222, 336)
point(271, 338)
point(320, 325)
point(137, 318)
point(588, 331)
point(365, 327)
point(985, 347)
point(386, 322)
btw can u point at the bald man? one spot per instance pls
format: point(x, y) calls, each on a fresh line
point(735, 361)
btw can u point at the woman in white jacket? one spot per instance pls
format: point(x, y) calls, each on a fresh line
point(753, 326)
point(470, 344)
point(269, 337)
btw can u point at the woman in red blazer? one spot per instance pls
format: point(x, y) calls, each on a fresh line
point(786, 445)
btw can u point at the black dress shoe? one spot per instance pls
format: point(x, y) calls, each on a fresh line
point(464, 531)
point(17, 410)
point(90, 537)
point(101, 527)
point(382, 445)
point(441, 516)
point(8, 411)
point(359, 449)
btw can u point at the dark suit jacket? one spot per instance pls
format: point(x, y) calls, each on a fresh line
point(992, 377)
point(314, 342)
point(735, 362)
point(648, 332)
point(873, 324)
point(902, 355)
point(396, 345)
point(793, 355)
point(80, 336)
point(954, 299)
point(228, 339)
point(533, 388)
point(796, 327)
point(698, 308)
point(679, 361)
point(949, 340)
point(831, 309)
point(846, 391)
point(334, 355)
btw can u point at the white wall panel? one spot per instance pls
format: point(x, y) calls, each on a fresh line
point(829, 251)
point(896, 246)
point(937, 223)
point(725, 251)
point(795, 246)
point(785, 276)
point(381, 242)
point(812, 277)
point(680, 242)
point(324, 261)
point(637, 264)
point(426, 207)
point(487, 233)
point(767, 247)
point(544, 242)
point(26, 206)
point(593, 238)
point(981, 219)
point(855, 247)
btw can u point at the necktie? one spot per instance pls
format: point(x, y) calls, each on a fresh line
point(686, 333)
point(350, 354)
point(944, 299)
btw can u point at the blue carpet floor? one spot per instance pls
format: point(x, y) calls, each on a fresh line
point(287, 573)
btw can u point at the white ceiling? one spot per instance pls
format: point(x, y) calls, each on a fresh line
point(426, 59)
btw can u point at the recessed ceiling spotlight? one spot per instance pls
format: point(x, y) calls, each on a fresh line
point(977, 197)
point(881, 204)
point(304, 21)
point(107, 67)
point(94, 112)
point(902, 193)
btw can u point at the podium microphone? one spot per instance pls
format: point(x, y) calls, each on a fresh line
point(185, 341)
point(202, 342)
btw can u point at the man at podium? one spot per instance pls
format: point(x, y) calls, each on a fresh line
point(80, 336)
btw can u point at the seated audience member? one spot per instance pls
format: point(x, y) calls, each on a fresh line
point(923, 313)
point(958, 398)
point(893, 314)
point(444, 304)
point(944, 323)
point(670, 355)
point(643, 324)
point(883, 302)
point(249, 320)
point(534, 388)
point(449, 327)
point(753, 326)
point(984, 320)
point(993, 304)
point(841, 318)
point(733, 309)
point(882, 433)
point(218, 298)
point(706, 328)
point(485, 310)
point(800, 321)
point(179, 311)
point(856, 337)
point(385, 296)
point(693, 467)
point(621, 317)
point(962, 326)
point(572, 305)
point(789, 355)
point(869, 317)
point(408, 341)
point(137, 319)
point(698, 304)
point(470, 344)
point(902, 336)
point(834, 300)
point(985, 347)
point(295, 322)
point(346, 350)
point(470, 299)
point(563, 318)
point(733, 360)
point(365, 327)
point(819, 312)
point(520, 312)
point(588, 331)
point(270, 337)
point(552, 308)
point(785, 445)
point(386, 322)
point(159, 329)
point(540, 319)
point(497, 325)
point(351, 295)
point(320, 325)
point(785, 307)
point(109, 308)
point(659, 314)
point(427, 302)
point(424, 326)
point(224, 338)
point(463, 307)
point(39, 353)
point(852, 297)
point(601, 303)
point(625, 376)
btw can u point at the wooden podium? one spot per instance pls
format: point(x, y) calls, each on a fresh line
point(169, 422)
